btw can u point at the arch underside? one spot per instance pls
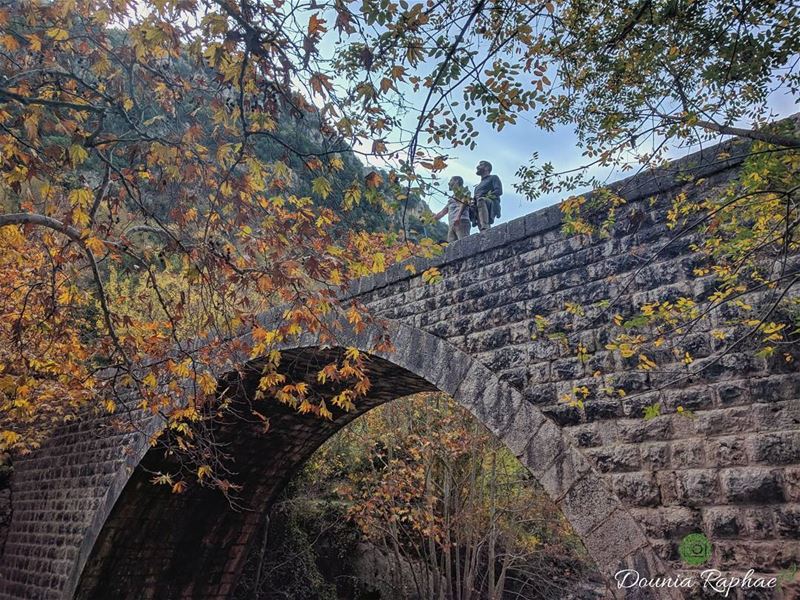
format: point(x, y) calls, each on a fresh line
point(156, 544)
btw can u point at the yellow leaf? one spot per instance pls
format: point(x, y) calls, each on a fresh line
point(96, 245)
point(58, 34)
point(432, 276)
point(8, 438)
point(182, 369)
point(80, 218)
point(77, 154)
point(352, 196)
point(324, 412)
point(208, 383)
point(150, 380)
point(321, 187)
point(81, 198)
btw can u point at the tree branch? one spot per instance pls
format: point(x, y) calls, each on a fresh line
point(753, 134)
point(74, 235)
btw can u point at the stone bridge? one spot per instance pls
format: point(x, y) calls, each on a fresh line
point(86, 523)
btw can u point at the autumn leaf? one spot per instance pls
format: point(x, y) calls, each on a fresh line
point(77, 154)
point(95, 244)
point(352, 196)
point(81, 198)
point(432, 276)
point(320, 83)
point(321, 187)
point(316, 25)
point(58, 34)
point(373, 179)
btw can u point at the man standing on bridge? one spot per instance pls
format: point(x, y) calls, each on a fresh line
point(487, 195)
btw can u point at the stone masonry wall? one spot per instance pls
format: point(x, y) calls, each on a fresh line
point(731, 471)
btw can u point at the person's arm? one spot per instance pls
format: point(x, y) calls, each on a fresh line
point(441, 213)
point(464, 200)
point(497, 187)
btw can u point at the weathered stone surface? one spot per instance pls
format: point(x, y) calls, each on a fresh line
point(723, 522)
point(669, 522)
point(727, 451)
point(697, 487)
point(752, 485)
point(775, 448)
point(616, 458)
point(82, 513)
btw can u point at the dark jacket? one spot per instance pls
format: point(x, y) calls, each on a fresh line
point(491, 189)
point(489, 185)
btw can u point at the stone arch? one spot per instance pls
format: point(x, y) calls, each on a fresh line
point(420, 362)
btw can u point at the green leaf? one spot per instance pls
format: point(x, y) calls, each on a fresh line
point(652, 411)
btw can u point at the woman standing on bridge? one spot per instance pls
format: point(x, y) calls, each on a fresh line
point(457, 210)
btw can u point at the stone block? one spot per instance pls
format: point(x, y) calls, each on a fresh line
point(749, 485)
point(519, 423)
point(589, 503)
point(563, 414)
point(791, 483)
point(726, 421)
point(637, 489)
point(655, 455)
point(758, 555)
point(540, 393)
point(616, 458)
point(614, 539)
point(695, 399)
point(722, 522)
point(774, 416)
point(787, 521)
point(602, 409)
point(668, 522)
point(726, 451)
point(732, 392)
point(567, 369)
point(687, 454)
point(640, 430)
point(697, 487)
point(775, 448)
point(775, 388)
point(543, 449)
point(586, 435)
point(759, 522)
point(567, 469)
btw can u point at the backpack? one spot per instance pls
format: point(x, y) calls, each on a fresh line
point(473, 214)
